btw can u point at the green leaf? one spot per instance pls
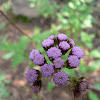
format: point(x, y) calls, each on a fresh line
point(95, 53)
point(22, 43)
point(2, 77)
point(93, 96)
point(87, 39)
point(97, 85)
point(8, 55)
point(50, 86)
point(32, 5)
point(94, 66)
point(83, 68)
point(69, 72)
point(3, 90)
point(17, 59)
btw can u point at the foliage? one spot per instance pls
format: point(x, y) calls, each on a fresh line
point(93, 96)
point(95, 53)
point(75, 15)
point(43, 6)
point(69, 72)
point(83, 68)
point(97, 85)
point(15, 50)
point(50, 86)
point(95, 65)
point(87, 39)
point(7, 5)
point(4, 93)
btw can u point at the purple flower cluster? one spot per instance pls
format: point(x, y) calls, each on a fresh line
point(47, 43)
point(64, 46)
point(60, 78)
point(58, 63)
point(47, 70)
point(33, 53)
point(77, 51)
point(55, 47)
point(36, 87)
point(73, 61)
point(32, 75)
point(39, 60)
point(53, 53)
point(79, 86)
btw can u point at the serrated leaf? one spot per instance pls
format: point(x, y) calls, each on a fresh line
point(93, 96)
point(22, 43)
point(95, 53)
point(17, 59)
point(50, 86)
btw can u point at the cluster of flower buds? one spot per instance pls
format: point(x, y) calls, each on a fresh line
point(55, 47)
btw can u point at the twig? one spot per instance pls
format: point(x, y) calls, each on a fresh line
point(2, 13)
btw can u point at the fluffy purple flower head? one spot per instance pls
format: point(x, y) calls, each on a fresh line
point(60, 78)
point(64, 45)
point(36, 87)
point(54, 52)
point(71, 42)
point(32, 75)
point(33, 53)
point(77, 51)
point(73, 61)
point(62, 37)
point(58, 63)
point(47, 43)
point(39, 60)
point(83, 86)
point(47, 70)
point(52, 37)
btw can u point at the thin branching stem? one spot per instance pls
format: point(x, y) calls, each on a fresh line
point(3, 14)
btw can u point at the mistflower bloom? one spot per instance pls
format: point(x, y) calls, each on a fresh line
point(47, 43)
point(32, 75)
point(53, 53)
point(60, 78)
point(39, 60)
point(73, 61)
point(71, 42)
point(77, 51)
point(47, 70)
point(52, 37)
point(61, 37)
point(64, 46)
point(58, 63)
point(83, 86)
point(36, 87)
point(33, 53)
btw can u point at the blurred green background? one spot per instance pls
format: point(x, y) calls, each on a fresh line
point(37, 19)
